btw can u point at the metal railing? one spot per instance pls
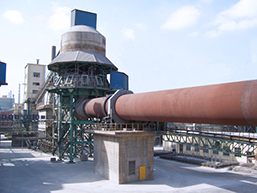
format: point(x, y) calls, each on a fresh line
point(42, 89)
point(213, 132)
point(131, 127)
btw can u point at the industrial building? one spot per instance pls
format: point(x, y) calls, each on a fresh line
point(76, 111)
point(34, 77)
point(6, 103)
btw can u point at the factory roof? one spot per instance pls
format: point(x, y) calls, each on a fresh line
point(81, 56)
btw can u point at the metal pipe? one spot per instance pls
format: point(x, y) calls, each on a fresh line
point(93, 108)
point(53, 52)
point(224, 104)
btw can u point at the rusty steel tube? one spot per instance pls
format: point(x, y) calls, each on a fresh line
point(93, 108)
point(224, 104)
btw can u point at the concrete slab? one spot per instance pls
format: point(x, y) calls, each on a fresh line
point(23, 170)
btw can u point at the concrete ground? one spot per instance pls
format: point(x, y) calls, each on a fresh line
point(23, 170)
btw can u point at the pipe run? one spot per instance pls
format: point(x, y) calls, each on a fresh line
point(224, 104)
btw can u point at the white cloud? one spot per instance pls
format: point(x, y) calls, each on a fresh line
point(14, 16)
point(194, 34)
point(129, 33)
point(241, 16)
point(60, 20)
point(243, 9)
point(182, 18)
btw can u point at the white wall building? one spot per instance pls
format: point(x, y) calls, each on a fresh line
point(34, 78)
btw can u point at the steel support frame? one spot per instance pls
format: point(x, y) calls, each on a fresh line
point(226, 146)
point(72, 138)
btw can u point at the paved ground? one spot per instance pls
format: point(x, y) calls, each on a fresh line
point(23, 170)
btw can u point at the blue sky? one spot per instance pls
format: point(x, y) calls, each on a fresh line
point(160, 44)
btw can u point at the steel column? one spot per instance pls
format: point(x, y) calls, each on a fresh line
point(71, 126)
point(59, 126)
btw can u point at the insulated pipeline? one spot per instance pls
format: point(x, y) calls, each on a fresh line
point(225, 104)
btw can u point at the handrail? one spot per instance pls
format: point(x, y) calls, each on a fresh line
point(42, 90)
point(211, 132)
point(137, 127)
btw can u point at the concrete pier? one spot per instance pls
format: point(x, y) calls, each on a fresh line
point(124, 157)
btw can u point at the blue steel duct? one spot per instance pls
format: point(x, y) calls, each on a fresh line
point(79, 17)
point(2, 73)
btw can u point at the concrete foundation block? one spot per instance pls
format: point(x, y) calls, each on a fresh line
point(119, 156)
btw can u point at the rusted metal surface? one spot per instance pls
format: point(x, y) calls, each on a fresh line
point(224, 104)
point(83, 38)
point(93, 108)
point(249, 102)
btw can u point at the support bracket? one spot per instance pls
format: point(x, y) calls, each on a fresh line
point(111, 105)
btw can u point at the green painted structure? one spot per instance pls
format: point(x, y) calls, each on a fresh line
point(72, 139)
point(227, 139)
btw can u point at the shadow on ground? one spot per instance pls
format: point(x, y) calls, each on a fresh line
point(30, 171)
point(181, 175)
point(21, 171)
